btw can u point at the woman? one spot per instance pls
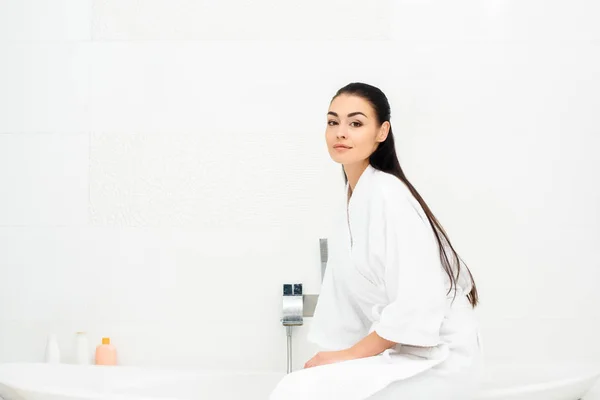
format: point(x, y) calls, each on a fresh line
point(396, 307)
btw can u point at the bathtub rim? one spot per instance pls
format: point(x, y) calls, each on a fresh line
point(533, 388)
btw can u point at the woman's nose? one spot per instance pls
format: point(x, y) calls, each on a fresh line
point(342, 133)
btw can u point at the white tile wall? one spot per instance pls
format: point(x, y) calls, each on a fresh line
point(44, 179)
point(218, 345)
point(44, 87)
point(46, 21)
point(211, 180)
point(490, 20)
point(548, 339)
point(186, 291)
point(243, 87)
point(241, 20)
point(102, 264)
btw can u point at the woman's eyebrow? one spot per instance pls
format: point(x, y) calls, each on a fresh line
point(352, 114)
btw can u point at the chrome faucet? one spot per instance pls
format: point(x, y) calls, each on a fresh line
point(292, 314)
point(293, 307)
point(296, 305)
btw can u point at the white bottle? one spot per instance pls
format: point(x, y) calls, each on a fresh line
point(82, 353)
point(52, 352)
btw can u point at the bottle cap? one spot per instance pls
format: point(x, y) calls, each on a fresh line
point(105, 340)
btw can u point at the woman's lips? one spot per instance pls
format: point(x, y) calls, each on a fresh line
point(341, 147)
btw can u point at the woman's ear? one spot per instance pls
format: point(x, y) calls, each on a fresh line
point(383, 132)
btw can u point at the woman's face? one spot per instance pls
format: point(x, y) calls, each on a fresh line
point(353, 131)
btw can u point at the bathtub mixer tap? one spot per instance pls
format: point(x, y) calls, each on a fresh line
point(296, 305)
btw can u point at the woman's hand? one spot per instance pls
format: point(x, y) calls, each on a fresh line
point(370, 345)
point(329, 357)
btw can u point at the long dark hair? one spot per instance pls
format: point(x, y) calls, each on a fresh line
point(384, 158)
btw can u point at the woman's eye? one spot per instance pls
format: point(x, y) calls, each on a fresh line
point(357, 124)
point(330, 123)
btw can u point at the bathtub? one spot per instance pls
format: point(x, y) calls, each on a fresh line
point(565, 381)
point(70, 382)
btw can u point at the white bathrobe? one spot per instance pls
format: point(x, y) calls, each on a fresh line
point(384, 274)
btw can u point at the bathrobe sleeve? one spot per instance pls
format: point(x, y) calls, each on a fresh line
point(404, 243)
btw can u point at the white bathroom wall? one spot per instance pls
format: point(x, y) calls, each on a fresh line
point(502, 138)
point(163, 167)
